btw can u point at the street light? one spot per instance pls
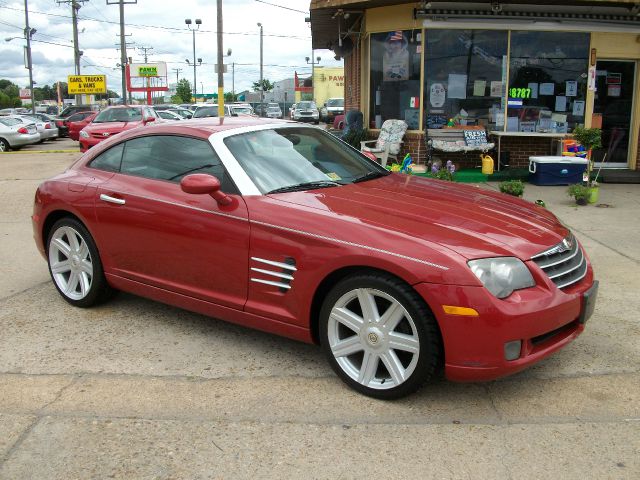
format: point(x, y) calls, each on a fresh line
point(199, 64)
point(198, 22)
point(261, 81)
point(313, 80)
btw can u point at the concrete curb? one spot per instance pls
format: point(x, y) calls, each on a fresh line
point(28, 152)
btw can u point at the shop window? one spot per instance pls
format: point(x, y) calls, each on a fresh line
point(395, 77)
point(465, 71)
point(547, 81)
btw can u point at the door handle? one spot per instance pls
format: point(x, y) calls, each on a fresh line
point(107, 198)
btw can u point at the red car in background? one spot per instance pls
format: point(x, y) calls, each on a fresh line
point(77, 122)
point(282, 227)
point(114, 120)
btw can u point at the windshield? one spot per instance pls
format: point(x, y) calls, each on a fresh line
point(202, 112)
point(281, 158)
point(335, 102)
point(119, 115)
point(305, 105)
point(10, 121)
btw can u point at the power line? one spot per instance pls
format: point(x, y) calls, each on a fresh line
point(160, 27)
point(280, 6)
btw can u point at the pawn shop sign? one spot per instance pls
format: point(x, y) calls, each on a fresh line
point(87, 84)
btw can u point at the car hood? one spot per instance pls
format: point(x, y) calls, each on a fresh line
point(111, 127)
point(472, 221)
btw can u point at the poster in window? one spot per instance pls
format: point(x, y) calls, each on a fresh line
point(437, 95)
point(395, 59)
point(534, 89)
point(572, 88)
point(479, 88)
point(614, 90)
point(496, 89)
point(457, 86)
point(547, 88)
point(561, 103)
point(578, 108)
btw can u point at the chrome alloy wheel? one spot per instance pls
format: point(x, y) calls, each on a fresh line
point(70, 263)
point(373, 338)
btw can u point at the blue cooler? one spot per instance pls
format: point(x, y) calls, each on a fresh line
point(556, 170)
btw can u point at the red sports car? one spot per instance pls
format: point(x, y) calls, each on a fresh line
point(77, 122)
point(113, 120)
point(284, 228)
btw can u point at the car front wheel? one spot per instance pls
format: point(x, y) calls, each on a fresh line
point(4, 145)
point(74, 264)
point(379, 335)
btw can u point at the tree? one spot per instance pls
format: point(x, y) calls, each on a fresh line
point(267, 86)
point(230, 97)
point(183, 91)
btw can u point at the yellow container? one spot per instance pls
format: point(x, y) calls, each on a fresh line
point(487, 164)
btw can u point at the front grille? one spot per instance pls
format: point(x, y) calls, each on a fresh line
point(565, 263)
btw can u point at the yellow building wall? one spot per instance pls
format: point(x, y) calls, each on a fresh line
point(328, 83)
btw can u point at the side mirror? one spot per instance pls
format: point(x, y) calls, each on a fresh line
point(149, 119)
point(201, 184)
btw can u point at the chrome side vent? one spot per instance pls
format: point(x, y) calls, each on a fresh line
point(565, 263)
point(278, 274)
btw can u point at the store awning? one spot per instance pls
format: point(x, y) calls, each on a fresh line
point(334, 19)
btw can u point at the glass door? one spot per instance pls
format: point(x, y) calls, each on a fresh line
point(613, 107)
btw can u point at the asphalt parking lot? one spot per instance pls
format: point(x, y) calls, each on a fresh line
point(135, 389)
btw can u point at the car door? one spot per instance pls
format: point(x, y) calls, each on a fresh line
point(152, 232)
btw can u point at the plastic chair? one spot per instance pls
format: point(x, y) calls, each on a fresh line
point(388, 142)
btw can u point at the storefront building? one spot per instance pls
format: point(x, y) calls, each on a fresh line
point(527, 72)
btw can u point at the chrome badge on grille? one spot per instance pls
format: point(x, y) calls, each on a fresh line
point(566, 245)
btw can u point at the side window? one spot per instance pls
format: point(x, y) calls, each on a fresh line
point(172, 157)
point(109, 160)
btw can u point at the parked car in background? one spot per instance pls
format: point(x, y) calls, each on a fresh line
point(168, 115)
point(291, 110)
point(15, 134)
point(274, 111)
point(75, 123)
point(238, 109)
point(183, 112)
point(63, 125)
point(331, 108)
point(46, 127)
point(114, 120)
point(287, 229)
point(306, 111)
point(230, 110)
point(166, 106)
point(70, 110)
point(13, 111)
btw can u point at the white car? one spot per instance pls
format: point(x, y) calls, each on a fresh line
point(273, 111)
point(306, 112)
point(49, 130)
point(15, 134)
point(168, 115)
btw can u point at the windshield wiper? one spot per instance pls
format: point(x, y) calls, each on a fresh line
point(369, 176)
point(306, 186)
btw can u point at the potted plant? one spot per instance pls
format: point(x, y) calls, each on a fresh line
point(512, 187)
point(590, 139)
point(579, 192)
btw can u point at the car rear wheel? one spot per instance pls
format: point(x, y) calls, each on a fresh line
point(379, 336)
point(4, 145)
point(74, 264)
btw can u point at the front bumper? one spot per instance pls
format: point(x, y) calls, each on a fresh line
point(543, 318)
point(87, 143)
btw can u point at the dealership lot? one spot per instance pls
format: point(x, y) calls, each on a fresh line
point(136, 389)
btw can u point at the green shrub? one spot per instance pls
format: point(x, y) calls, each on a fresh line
point(354, 137)
point(512, 187)
point(580, 192)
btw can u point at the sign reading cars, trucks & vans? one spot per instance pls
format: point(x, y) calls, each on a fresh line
point(87, 84)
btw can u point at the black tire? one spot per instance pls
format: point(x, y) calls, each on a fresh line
point(98, 289)
point(4, 145)
point(417, 322)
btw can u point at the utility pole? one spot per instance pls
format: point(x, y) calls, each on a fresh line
point(261, 81)
point(27, 34)
point(220, 62)
point(148, 80)
point(177, 70)
point(233, 80)
point(123, 45)
point(75, 6)
point(198, 22)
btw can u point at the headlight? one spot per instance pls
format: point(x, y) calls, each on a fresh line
point(501, 276)
point(84, 134)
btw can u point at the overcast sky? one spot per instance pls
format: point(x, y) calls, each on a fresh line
point(159, 24)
